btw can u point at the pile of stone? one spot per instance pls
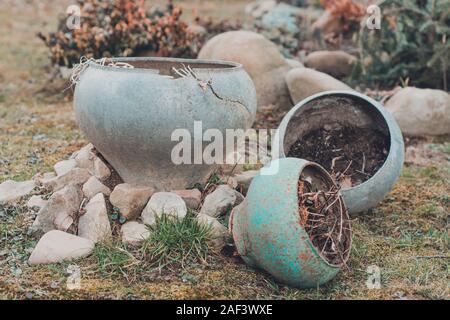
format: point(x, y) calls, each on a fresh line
point(280, 82)
point(80, 200)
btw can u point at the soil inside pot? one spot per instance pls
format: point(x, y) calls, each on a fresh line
point(350, 154)
point(324, 217)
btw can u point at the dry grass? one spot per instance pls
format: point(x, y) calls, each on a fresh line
point(405, 235)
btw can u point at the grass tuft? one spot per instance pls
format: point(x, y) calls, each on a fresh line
point(114, 259)
point(177, 242)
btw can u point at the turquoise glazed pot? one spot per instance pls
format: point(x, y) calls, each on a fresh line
point(266, 226)
point(348, 108)
point(130, 114)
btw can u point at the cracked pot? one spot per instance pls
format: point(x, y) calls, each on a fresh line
point(130, 114)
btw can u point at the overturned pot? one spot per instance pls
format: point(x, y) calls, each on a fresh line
point(353, 137)
point(131, 114)
point(274, 231)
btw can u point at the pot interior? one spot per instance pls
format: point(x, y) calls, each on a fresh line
point(323, 215)
point(166, 66)
point(344, 134)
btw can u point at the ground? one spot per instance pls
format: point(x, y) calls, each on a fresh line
point(407, 236)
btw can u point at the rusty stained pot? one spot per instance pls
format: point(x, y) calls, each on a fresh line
point(130, 114)
point(348, 108)
point(266, 226)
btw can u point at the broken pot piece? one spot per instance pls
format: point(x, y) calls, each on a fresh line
point(298, 230)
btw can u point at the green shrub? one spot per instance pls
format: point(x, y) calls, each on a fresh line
point(411, 48)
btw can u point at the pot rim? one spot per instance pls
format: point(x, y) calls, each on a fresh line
point(232, 66)
point(343, 208)
point(351, 93)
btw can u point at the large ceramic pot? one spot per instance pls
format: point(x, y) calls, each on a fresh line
point(130, 114)
point(347, 108)
point(267, 228)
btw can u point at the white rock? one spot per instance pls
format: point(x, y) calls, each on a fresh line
point(421, 112)
point(86, 159)
point(94, 186)
point(74, 176)
point(244, 179)
point(191, 197)
point(219, 232)
point(12, 191)
point(219, 201)
point(130, 200)
point(36, 203)
point(88, 147)
point(304, 82)
point(57, 246)
point(134, 232)
point(218, 229)
point(43, 179)
point(260, 58)
point(101, 170)
point(94, 224)
point(163, 203)
point(63, 167)
point(60, 210)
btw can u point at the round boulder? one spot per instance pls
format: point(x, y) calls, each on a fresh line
point(260, 58)
point(421, 112)
point(304, 82)
point(336, 63)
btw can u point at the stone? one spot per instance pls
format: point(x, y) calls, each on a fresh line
point(130, 200)
point(74, 176)
point(94, 186)
point(260, 58)
point(294, 63)
point(94, 224)
point(63, 167)
point(88, 147)
point(11, 191)
point(191, 197)
point(304, 82)
point(421, 112)
point(163, 203)
point(244, 179)
point(60, 210)
point(239, 198)
point(36, 203)
point(43, 179)
point(86, 159)
point(58, 246)
point(218, 231)
point(219, 201)
point(101, 170)
point(338, 63)
point(134, 233)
